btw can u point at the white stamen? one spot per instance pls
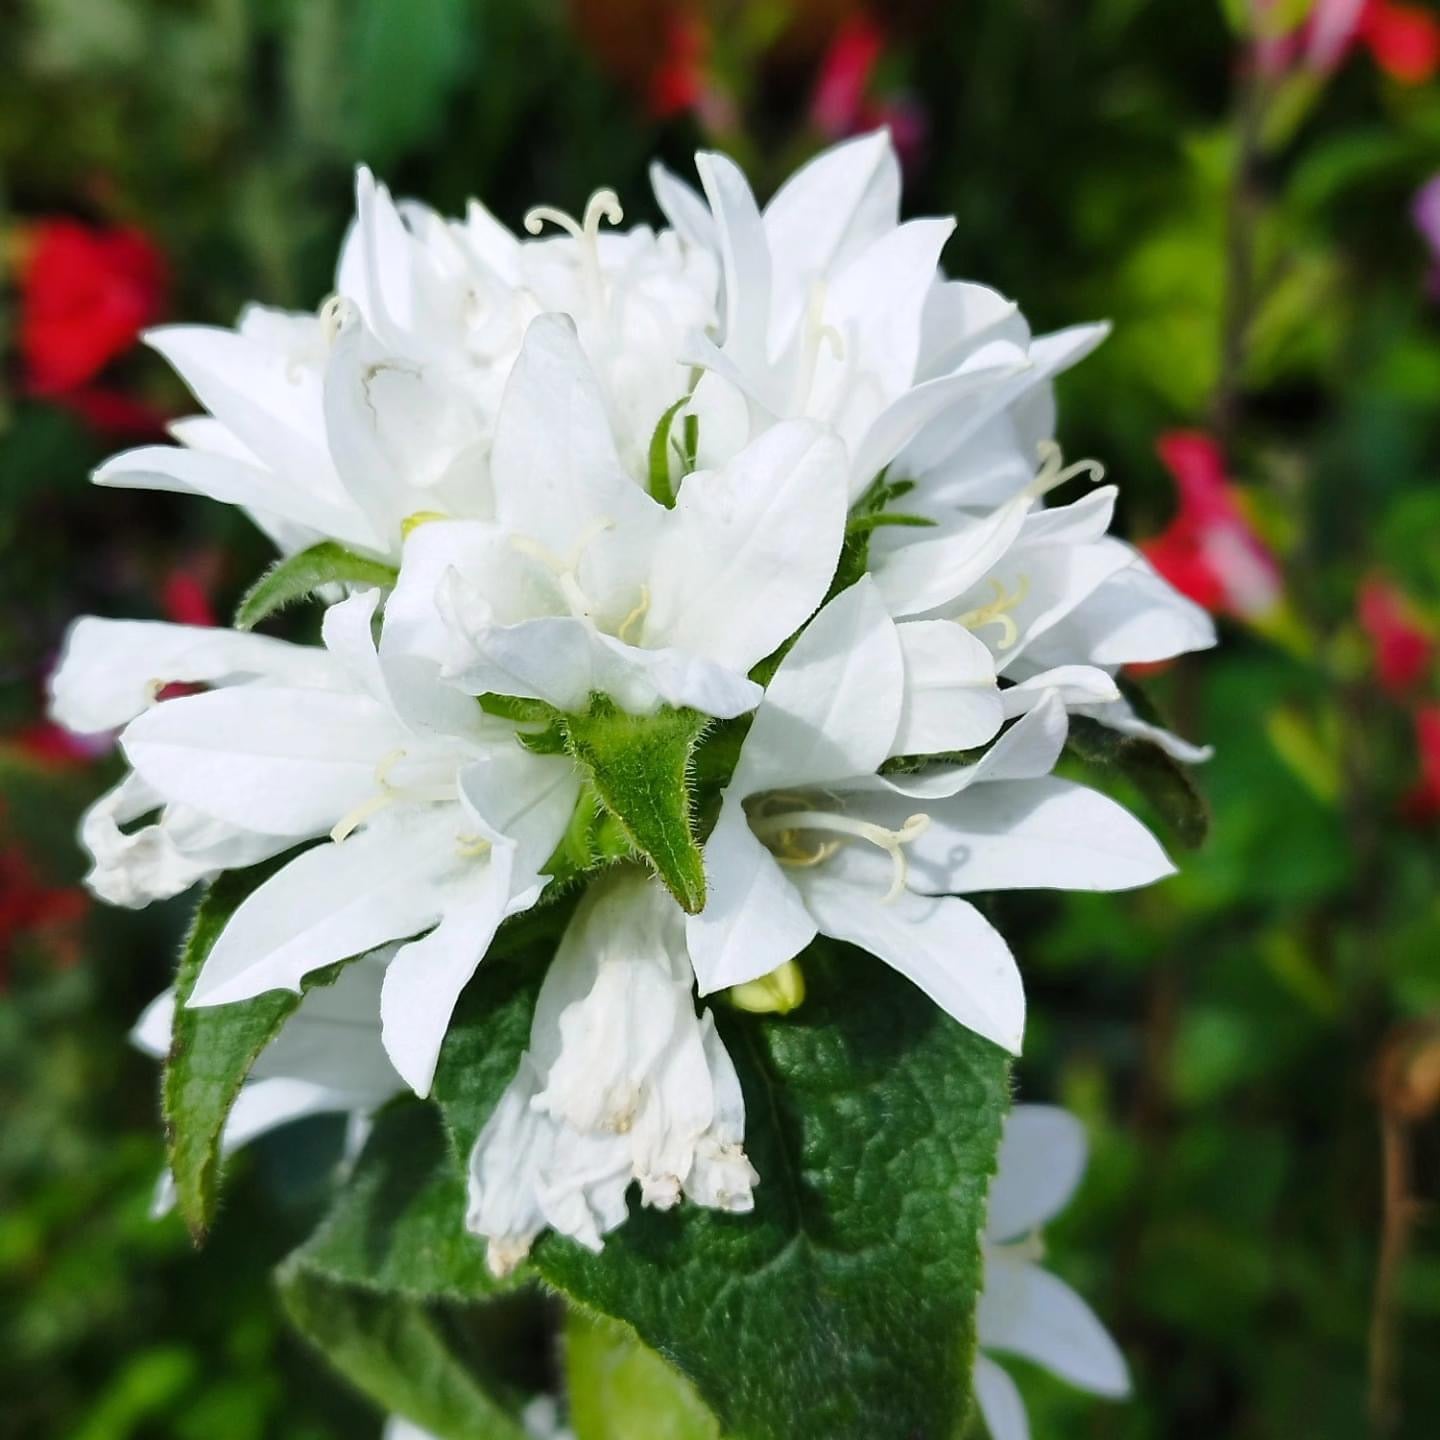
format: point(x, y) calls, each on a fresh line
point(997, 612)
point(781, 833)
point(566, 568)
point(1051, 474)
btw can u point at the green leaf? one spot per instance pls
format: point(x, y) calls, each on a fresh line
point(660, 486)
point(297, 576)
point(1164, 782)
point(397, 1352)
point(639, 766)
point(619, 1388)
point(398, 1222)
point(212, 1050)
point(844, 1305)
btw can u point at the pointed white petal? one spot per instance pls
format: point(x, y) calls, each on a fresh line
point(682, 207)
point(1076, 685)
point(110, 671)
point(1029, 1312)
point(1000, 1404)
point(1043, 834)
point(951, 699)
point(1120, 715)
point(332, 902)
point(151, 1032)
point(941, 944)
point(1042, 1157)
point(744, 258)
point(753, 919)
point(748, 552)
point(832, 709)
point(276, 760)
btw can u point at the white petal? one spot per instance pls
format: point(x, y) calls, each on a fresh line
point(753, 919)
point(951, 699)
point(276, 760)
point(833, 706)
point(1042, 1158)
point(749, 550)
point(960, 317)
point(151, 1032)
point(1000, 1403)
point(1076, 685)
point(332, 902)
point(1029, 1312)
point(939, 568)
point(424, 980)
point(1032, 834)
point(744, 258)
point(554, 465)
point(1135, 618)
point(682, 207)
point(111, 670)
point(234, 482)
point(1120, 715)
point(943, 945)
point(828, 212)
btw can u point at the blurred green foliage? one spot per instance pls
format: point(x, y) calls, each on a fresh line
point(1222, 1035)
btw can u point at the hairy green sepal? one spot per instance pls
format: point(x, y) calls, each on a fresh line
point(299, 576)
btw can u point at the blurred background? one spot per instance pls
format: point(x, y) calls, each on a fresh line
point(1250, 190)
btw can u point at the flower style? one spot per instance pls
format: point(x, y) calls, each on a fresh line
point(1024, 1309)
point(811, 839)
point(583, 583)
point(586, 1115)
point(435, 816)
point(327, 1059)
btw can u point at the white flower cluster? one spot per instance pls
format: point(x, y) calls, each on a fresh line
point(769, 466)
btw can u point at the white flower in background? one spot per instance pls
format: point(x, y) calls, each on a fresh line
point(810, 839)
point(327, 1059)
point(622, 1082)
point(435, 815)
point(1024, 1309)
point(584, 583)
point(540, 1420)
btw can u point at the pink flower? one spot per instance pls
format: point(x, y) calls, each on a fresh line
point(838, 101)
point(1403, 647)
point(1423, 801)
point(1403, 39)
point(1210, 551)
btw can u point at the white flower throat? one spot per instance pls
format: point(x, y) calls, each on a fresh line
point(790, 827)
point(565, 570)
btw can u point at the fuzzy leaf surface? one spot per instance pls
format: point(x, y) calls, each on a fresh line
point(298, 576)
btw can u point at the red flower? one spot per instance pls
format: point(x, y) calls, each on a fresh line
point(1403, 647)
point(85, 295)
point(677, 83)
point(30, 908)
point(1404, 40)
point(1210, 551)
point(1423, 801)
point(838, 102)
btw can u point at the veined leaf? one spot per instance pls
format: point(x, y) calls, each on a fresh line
point(297, 576)
point(639, 766)
point(397, 1352)
point(212, 1050)
point(844, 1304)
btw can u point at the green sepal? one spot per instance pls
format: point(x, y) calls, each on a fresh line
point(212, 1050)
point(659, 455)
point(639, 767)
point(1163, 781)
point(298, 576)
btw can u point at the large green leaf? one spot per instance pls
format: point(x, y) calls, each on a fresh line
point(297, 576)
point(640, 767)
point(844, 1305)
point(399, 1353)
point(398, 1223)
point(211, 1052)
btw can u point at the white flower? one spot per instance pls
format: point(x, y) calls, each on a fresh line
point(326, 1059)
point(810, 839)
point(835, 310)
point(584, 583)
point(622, 1081)
point(436, 816)
point(345, 425)
point(1025, 1310)
point(540, 1419)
